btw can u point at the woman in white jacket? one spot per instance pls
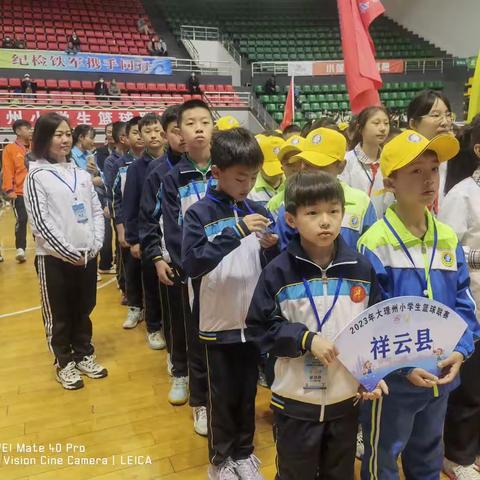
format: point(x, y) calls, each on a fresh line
point(461, 210)
point(67, 221)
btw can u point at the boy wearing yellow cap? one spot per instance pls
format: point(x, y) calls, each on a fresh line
point(324, 149)
point(292, 146)
point(270, 180)
point(226, 123)
point(415, 254)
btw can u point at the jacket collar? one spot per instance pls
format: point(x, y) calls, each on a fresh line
point(262, 184)
point(343, 256)
point(407, 237)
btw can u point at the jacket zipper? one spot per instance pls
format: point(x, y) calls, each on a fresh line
point(325, 299)
point(242, 326)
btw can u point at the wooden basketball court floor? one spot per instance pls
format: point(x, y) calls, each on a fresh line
point(124, 419)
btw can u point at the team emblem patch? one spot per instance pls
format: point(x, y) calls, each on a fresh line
point(354, 221)
point(414, 138)
point(448, 259)
point(276, 150)
point(295, 141)
point(317, 139)
point(357, 294)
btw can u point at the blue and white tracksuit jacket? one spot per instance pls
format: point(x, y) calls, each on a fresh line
point(224, 260)
point(118, 188)
point(183, 186)
point(150, 226)
point(131, 197)
point(358, 218)
point(281, 319)
point(410, 419)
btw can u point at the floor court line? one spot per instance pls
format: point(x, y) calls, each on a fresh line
point(32, 309)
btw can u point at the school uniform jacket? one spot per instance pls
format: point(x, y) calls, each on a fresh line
point(223, 259)
point(49, 203)
point(358, 174)
point(132, 194)
point(461, 210)
point(119, 187)
point(150, 219)
point(263, 192)
point(183, 186)
point(448, 281)
point(359, 216)
point(110, 168)
point(281, 319)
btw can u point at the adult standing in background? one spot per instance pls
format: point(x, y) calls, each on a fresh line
point(14, 173)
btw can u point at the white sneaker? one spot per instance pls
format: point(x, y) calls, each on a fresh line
point(69, 377)
point(360, 446)
point(169, 365)
point(89, 367)
point(99, 277)
point(178, 394)
point(110, 271)
point(134, 317)
point(458, 472)
point(224, 471)
point(248, 469)
point(156, 340)
point(262, 379)
point(20, 256)
point(200, 424)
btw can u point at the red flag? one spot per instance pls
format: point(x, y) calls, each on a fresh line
point(363, 78)
point(289, 112)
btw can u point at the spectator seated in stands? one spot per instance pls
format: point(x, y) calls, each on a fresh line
point(193, 84)
point(163, 48)
point(20, 43)
point(8, 42)
point(101, 89)
point(28, 85)
point(142, 26)
point(271, 86)
point(73, 44)
point(154, 47)
point(114, 90)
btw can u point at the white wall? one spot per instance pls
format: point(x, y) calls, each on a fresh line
point(452, 25)
point(246, 119)
point(214, 51)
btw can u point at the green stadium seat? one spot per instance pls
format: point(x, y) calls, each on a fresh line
point(259, 89)
point(278, 117)
point(271, 107)
point(315, 107)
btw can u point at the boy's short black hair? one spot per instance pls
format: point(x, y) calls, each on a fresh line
point(324, 122)
point(149, 119)
point(117, 128)
point(236, 146)
point(190, 105)
point(132, 123)
point(307, 188)
point(19, 124)
point(170, 115)
point(292, 128)
point(272, 133)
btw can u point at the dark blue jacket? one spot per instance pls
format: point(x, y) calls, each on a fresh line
point(224, 260)
point(182, 187)
point(110, 169)
point(122, 164)
point(131, 198)
point(149, 227)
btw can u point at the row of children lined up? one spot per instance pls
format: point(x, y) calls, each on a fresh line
point(207, 230)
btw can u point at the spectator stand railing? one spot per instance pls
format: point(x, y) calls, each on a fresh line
point(198, 32)
point(411, 65)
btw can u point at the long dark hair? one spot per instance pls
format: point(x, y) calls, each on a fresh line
point(43, 132)
point(466, 162)
point(363, 117)
point(423, 103)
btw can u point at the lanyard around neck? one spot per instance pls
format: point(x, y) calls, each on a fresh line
point(64, 182)
point(197, 193)
point(423, 282)
point(234, 207)
point(328, 314)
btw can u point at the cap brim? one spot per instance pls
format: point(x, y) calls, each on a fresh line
point(288, 149)
point(314, 158)
point(272, 169)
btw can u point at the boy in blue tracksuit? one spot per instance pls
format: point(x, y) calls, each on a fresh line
point(304, 298)
point(324, 149)
point(183, 185)
point(153, 249)
point(415, 254)
point(222, 255)
point(131, 265)
point(151, 130)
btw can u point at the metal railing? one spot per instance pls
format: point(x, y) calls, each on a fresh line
point(197, 32)
point(201, 66)
point(232, 50)
point(411, 65)
point(190, 47)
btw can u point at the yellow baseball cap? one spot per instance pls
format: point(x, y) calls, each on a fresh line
point(408, 145)
point(227, 122)
point(342, 126)
point(322, 147)
point(295, 143)
point(271, 147)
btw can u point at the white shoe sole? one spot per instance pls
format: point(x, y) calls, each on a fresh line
point(69, 387)
point(20, 258)
point(129, 326)
point(94, 375)
point(178, 402)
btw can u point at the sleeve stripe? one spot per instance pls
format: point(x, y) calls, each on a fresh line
point(40, 224)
